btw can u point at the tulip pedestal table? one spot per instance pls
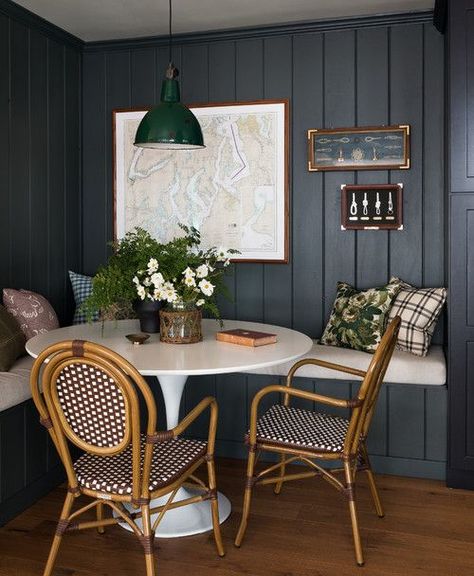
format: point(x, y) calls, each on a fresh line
point(171, 364)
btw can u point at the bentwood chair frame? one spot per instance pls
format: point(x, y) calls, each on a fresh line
point(353, 455)
point(46, 371)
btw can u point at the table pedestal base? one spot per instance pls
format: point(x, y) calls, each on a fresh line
point(188, 520)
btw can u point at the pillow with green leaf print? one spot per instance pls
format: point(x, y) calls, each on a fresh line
point(358, 318)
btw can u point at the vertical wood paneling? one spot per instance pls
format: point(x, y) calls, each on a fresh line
point(406, 423)
point(249, 280)
point(12, 479)
point(372, 110)
point(307, 190)
point(19, 157)
point(339, 110)
point(278, 283)
point(40, 196)
point(194, 73)
point(56, 155)
point(406, 107)
point(72, 176)
point(95, 186)
point(143, 72)
point(5, 271)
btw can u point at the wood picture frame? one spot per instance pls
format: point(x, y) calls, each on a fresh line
point(235, 191)
point(372, 207)
point(364, 148)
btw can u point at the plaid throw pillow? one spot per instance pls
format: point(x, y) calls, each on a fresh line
point(358, 318)
point(419, 309)
point(82, 287)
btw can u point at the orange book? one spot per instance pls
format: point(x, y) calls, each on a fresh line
point(246, 337)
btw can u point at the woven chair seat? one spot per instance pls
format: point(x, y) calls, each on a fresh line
point(113, 474)
point(297, 428)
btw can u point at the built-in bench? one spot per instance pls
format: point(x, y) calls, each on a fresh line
point(404, 368)
point(29, 465)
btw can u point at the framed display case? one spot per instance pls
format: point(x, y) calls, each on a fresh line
point(372, 207)
point(369, 148)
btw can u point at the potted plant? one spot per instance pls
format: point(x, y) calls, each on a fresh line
point(143, 273)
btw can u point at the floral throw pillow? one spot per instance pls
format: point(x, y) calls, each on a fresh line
point(358, 318)
point(33, 312)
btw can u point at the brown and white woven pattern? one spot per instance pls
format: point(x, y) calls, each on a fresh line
point(302, 429)
point(113, 474)
point(93, 405)
point(419, 310)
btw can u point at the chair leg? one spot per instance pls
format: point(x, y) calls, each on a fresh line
point(61, 528)
point(279, 484)
point(211, 471)
point(353, 512)
point(372, 484)
point(147, 540)
point(247, 499)
point(100, 516)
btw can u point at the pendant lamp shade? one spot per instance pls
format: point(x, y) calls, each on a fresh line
point(170, 125)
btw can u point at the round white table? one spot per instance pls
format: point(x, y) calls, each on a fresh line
point(171, 364)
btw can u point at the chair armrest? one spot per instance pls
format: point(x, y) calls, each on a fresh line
point(208, 402)
point(323, 364)
point(328, 400)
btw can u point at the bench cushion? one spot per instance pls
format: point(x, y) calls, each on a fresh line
point(15, 384)
point(404, 368)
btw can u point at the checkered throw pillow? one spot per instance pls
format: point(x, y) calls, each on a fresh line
point(419, 309)
point(81, 287)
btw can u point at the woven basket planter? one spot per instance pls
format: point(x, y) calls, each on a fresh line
point(180, 326)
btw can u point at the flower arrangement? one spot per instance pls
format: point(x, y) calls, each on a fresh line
point(144, 269)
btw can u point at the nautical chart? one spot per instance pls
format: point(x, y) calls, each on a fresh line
point(233, 191)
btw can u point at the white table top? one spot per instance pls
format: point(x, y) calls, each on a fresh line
point(155, 358)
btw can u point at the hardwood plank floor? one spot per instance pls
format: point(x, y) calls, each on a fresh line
point(428, 529)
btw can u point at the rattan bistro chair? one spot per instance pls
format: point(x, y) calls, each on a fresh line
point(306, 436)
point(91, 399)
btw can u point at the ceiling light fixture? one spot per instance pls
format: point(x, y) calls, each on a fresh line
point(170, 125)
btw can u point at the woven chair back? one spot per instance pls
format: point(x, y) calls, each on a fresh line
point(90, 397)
point(361, 417)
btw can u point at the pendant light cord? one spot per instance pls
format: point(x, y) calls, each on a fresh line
point(170, 30)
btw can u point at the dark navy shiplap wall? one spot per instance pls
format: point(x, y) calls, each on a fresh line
point(366, 76)
point(40, 168)
point(40, 226)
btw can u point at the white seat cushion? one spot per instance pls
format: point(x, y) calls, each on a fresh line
point(15, 384)
point(404, 368)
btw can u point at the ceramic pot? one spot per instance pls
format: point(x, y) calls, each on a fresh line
point(147, 312)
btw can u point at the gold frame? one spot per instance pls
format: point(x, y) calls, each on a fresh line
point(343, 164)
point(43, 378)
point(353, 456)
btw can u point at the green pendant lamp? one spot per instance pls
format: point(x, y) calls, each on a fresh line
point(170, 125)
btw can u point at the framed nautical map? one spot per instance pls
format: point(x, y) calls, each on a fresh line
point(369, 148)
point(234, 191)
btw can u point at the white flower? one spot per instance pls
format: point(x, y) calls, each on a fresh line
point(141, 292)
point(200, 302)
point(136, 280)
point(152, 265)
point(189, 281)
point(227, 262)
point(157, 279)
point(189, 272)
point(209, 267)
point(222, 254)
point(206, 287)
point(170, 295)
point(202, 271)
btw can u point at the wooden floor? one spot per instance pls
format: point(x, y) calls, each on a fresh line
point(428, 529)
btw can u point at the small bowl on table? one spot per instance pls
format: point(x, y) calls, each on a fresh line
point(138, 338)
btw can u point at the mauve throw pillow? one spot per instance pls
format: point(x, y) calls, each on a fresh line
point(12, 340)
point(33, 312)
